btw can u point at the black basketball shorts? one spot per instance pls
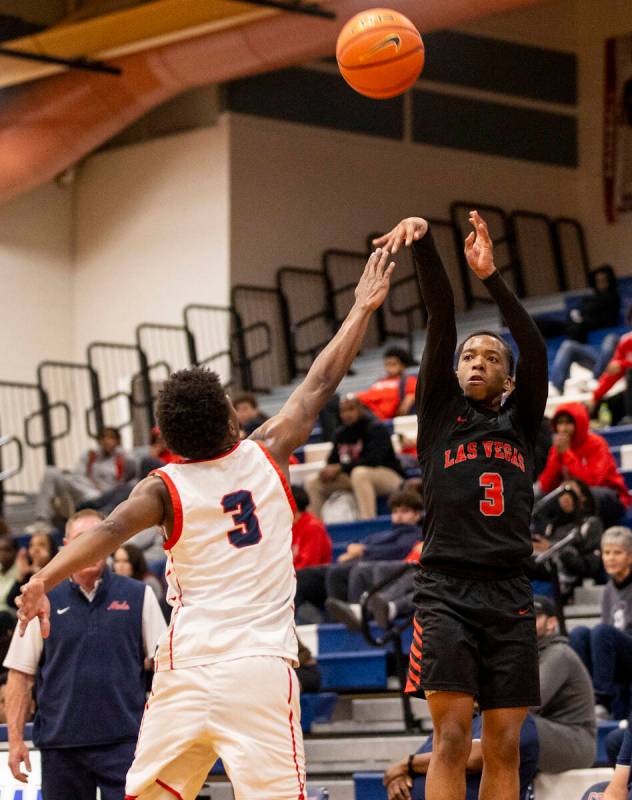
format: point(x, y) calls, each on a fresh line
point(476, 637)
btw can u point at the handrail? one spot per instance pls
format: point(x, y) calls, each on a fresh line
point(581, 240)
point(292, 326)
point(158, 326)
point(515, 216)
point(92, 410)
point(11, 471)
point(513, 265)
point(45, 412)
point(392, 634)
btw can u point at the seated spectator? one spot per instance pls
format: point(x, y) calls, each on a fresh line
point(619, 788)
point(308, 671)
point(606, 649)
point(573, 510)
point(315, 584)
point(394, 394)
point(311, 545)
point(249, 414)
point(393, 601)
point(577, 452)
point(617, 368)
point(98, 471)
point(130, 562)
point(560, 735)
point(361, 461)
point(8, 568)
point(600, 309)
point(41, 548)
point(587, 356)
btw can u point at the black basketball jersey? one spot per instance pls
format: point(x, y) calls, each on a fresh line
point(477, 472)
point(477, 464)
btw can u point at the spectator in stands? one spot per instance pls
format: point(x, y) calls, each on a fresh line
point(587, 356)
point(130, 561)
point(577, 452)
point(41, 548)
point(619, 367)
point(97, 472)
point(573, 510)
point(619, 788)
point(361, 461)
point(249, 414)
point(606, 649)
point(559, 735)
point(8, 568)
point(311, 545)
point(90, 689)
point(600, 309)
point(394, 394)
point(316, 584)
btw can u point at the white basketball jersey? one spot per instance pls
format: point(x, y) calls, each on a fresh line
point(229, 571)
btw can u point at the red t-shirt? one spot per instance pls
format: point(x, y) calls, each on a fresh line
point(384, 397)
point(311, 545)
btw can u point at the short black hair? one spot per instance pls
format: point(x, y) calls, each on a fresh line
point(506, 348)
point(301, 498)
point(403, 355)
point(245, 397)
point(193, 413)
point(108, 430)
point(406, 498)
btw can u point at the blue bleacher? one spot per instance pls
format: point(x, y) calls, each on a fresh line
point(316, 707)
point(353, 671)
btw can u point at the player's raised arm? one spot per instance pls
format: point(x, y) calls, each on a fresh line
point(436, 373)
point(147, 506)
point(291, 427)
point(531, 380)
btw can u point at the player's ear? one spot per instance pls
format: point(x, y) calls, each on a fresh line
point(509, 384)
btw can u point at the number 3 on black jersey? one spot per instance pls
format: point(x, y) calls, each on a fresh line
point(494, 503)
point(244, 513)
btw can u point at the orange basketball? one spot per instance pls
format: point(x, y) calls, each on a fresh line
point(380, 53)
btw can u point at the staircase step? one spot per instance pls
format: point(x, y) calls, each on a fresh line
point(355, 754)
point(337, 789)
point(349, 671)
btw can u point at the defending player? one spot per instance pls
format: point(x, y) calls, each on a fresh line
point(474, 631)
point(224, 686)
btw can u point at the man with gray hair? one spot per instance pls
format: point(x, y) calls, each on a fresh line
point(606, 649)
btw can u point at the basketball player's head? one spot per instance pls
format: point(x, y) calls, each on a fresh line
point(485, 366)
point(196, 418)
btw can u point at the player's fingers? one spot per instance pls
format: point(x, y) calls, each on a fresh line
point(410, 233)
point(469, 241)
point(381, 262)
point(381, 240)
point(389, 271)
point(44, 621)
point(399, 235)
point(27, 760)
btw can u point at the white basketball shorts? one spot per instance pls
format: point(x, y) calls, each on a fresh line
point(245, 711)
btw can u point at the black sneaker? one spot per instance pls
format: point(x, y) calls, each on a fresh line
point(343, 612)
point(380, 609)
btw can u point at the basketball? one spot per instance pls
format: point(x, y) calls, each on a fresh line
point(380, 53)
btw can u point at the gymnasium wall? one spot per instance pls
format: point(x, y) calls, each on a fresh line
point(151, 234)
point(35, 281)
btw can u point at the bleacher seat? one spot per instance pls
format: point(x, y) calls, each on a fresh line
point(353, 671)
point(317, 707)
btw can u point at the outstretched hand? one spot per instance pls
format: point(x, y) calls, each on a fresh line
point(31, 603)
point(374, 284)
point(406, 232)
point(479, 248)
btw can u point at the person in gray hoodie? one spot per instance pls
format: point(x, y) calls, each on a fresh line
point(565, 720)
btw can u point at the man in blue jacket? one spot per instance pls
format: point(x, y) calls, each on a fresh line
point(89, 677)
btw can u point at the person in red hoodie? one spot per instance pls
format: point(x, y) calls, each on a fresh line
point(618, 367)
point(311, 545)
point(577, 452)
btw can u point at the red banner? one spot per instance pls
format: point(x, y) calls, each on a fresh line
point(617, 140)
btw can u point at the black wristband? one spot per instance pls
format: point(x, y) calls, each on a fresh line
point(411, 771)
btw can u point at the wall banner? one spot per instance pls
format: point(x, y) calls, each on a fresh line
point(617, 147)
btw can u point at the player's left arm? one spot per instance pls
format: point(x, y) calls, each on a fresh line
point(148, 505)
point(291, 427)
point(532, 376)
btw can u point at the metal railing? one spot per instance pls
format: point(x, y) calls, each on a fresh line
point(307, 314)
point(219, 342)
